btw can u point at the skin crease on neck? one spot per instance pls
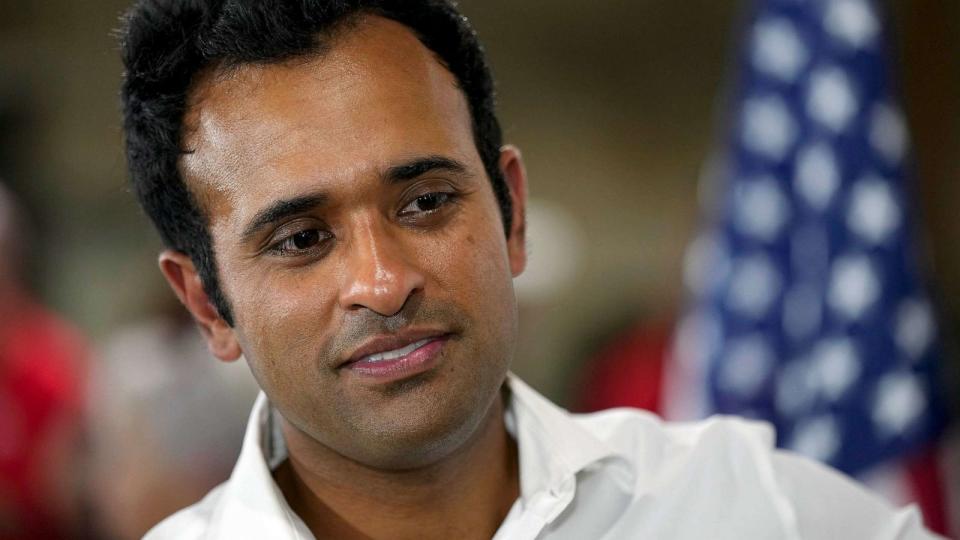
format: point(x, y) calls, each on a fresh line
point(429, 456)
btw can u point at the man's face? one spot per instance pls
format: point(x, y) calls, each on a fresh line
point(351, 215)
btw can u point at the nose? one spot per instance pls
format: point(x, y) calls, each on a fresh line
point(380, 276)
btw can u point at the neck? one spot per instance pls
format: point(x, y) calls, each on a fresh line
point(466, 495)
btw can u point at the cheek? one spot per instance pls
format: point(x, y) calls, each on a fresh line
point(281, 319)
point(475, 270)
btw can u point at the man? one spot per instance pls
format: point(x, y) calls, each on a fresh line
point(329, 179)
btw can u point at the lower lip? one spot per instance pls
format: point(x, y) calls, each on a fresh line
point(414, 363)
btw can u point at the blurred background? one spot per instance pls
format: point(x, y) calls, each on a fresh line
point(620, 108)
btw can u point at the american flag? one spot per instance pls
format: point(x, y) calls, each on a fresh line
point(808, 304)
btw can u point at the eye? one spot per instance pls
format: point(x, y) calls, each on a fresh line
point(427, 203)
point(300, 242)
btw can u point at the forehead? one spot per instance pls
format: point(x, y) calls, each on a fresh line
point(375, 96)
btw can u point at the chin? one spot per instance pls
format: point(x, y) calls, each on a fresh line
point(418, 433)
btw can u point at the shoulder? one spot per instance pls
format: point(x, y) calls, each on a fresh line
point(826, 502)
point(629, 431)
point(191, 523)
point(691, 465)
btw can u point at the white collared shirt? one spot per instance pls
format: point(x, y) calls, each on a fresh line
point(618, 474)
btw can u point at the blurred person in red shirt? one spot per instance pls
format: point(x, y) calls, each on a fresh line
point(42, 365)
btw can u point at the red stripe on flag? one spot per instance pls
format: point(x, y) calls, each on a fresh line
point(926, 482)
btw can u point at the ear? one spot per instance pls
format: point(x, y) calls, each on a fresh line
point(511, 165)
point(185, 282)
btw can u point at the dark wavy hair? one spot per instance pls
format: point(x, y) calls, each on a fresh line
point(166, 43)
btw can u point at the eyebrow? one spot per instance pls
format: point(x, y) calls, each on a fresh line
point(420, 166)
point(285, 208)
point(281, 210)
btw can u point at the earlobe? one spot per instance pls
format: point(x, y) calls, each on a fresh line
point(515, 174)
point(185, 281)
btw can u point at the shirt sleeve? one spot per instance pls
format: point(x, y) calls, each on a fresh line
point(829, 505)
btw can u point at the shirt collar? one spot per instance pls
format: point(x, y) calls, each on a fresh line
point(552, 446)
point(552, 449)
point(251, 505)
